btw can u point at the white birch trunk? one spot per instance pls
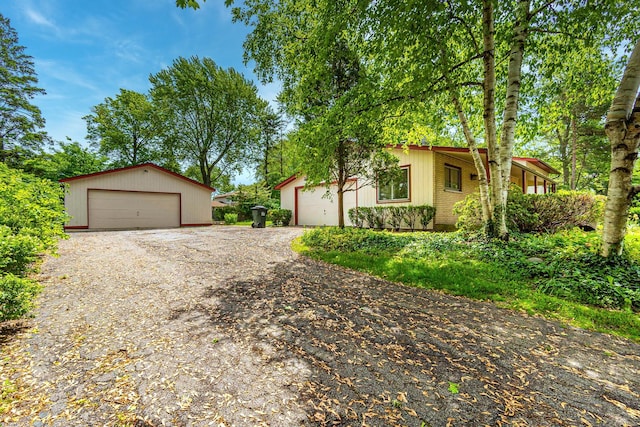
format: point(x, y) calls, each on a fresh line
point(510, 115)
point(489, 116)
point(483, 183)
point(623, 130)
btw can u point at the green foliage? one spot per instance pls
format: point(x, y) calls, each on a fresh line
point(559, 275)
point(356, 217)
point(20, 120)
point(128, 128)
point(248, 196)
point(17, 296)
point(393, 216)
point(380, 216)
point(280, 217)
point(545, 213)
point(209, 115)
point(454, 388)
point(230, 218)
point(425, 215)
point(31, 222)
point(71, 159)
point(410, 216)
point(219, 213)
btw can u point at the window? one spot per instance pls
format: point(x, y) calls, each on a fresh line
point(452, 178)
point(396, 189)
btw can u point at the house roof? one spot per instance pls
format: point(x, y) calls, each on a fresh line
point(286, 181)
point(218, 204)
point(539, 163)
point(142, 165)
point(225, 195)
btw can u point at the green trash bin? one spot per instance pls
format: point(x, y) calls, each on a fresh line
point(259, 214)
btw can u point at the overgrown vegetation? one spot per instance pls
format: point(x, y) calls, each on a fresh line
point(31, 222)
point(557, 275)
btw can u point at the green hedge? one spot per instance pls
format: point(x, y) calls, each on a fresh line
point(280, 217)
point(393, 217)
point(527, 213)
point(31, 223)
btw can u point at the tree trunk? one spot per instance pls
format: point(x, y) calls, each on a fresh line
point(341, 206)
point(483, 182)
point(489, 116)
point(507, 136)
point(623, 130)
point(574, 149)
point(563, 141)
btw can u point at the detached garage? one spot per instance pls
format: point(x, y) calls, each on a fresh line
point(141, 196)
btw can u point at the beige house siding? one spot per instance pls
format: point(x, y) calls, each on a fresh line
point(420, 165)
point(195, 200)
point(445, 198)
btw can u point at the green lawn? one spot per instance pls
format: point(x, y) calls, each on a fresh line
point(558, 276)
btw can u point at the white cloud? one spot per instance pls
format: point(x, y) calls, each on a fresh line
point(37, 18)
point(63, 74)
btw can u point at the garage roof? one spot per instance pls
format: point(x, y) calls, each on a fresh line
point(143, 165)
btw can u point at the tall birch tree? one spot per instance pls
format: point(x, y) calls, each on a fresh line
point(623, 131)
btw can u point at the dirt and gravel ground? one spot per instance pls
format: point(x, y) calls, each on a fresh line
point(226, 326)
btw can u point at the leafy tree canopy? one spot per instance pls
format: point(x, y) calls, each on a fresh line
point(70, 159)
point(20, 120)
point(211, 115)
point(126, 128)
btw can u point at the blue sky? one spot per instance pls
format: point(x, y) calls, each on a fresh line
point(85, 51)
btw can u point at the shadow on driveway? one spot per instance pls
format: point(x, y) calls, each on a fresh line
point(383, 354)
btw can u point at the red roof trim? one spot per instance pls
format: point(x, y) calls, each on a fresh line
point(286, 181)
point(142, 165)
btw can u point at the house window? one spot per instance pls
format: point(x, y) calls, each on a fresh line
point(397, 189)
point(452, 178)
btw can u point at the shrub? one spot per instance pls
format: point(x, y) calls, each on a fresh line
point(369, 215)
point(537, 212)
point(280, 217)
point(230, 218)
point(219, 213)
point(16, 296)
point(567, 209)
point(356, 217)
point(395, 217)
point(425, 214)
point(31, 222)
point(411, 215)
point(380, 218)
point(354, 239)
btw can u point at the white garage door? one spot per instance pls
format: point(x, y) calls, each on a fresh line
point(128, 209)
point(313, 209)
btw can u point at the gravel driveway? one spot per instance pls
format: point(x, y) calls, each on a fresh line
point(226, 326)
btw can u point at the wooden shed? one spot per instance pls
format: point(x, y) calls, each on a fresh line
point(141, 196)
